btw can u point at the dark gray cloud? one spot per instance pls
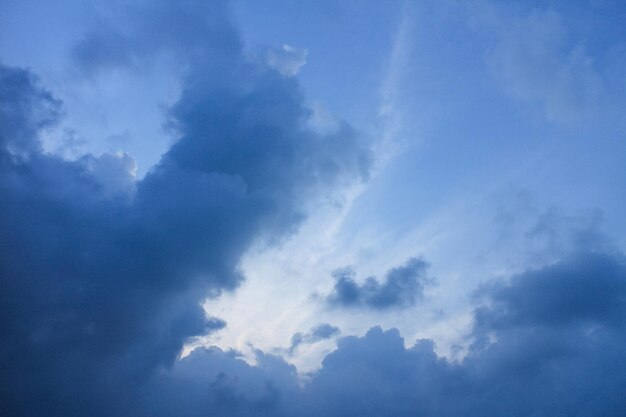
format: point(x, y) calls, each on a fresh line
point(320, 332)
point(102, 277)
point(589, 288)
point(559, 334)
point(403, 287)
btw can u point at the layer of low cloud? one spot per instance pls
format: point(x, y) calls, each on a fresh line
point(548, 341)
point(403, 287)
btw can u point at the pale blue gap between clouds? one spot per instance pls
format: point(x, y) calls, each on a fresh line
point(473, 136)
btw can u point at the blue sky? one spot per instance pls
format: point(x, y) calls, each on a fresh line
point(326, 208)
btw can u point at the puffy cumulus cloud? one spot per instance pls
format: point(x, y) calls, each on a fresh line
point(549, 341)
point(102, 275)
point(403, 287)
point(320, 332)
point(219, 383)
point(546, 342)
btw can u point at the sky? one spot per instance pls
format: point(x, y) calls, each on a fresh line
point(337, 208)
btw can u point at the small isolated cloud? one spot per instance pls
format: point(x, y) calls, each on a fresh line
point(318, 333)
point(287, 60)
point(403, 287)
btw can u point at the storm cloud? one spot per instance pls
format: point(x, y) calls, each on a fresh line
point(101, 288)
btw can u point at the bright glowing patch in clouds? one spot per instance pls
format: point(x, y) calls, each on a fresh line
point(425, 219)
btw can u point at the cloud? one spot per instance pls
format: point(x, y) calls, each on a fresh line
point(25, 109)
point(215, 382)
point(533, 352)
point(558, 335)
point(287, 60)
point(103, 275)
point(115, 172)
point(589, 288)
point(133, 36)
point(546, 342)
point(320, 332)
point(403, 287)
point(547, 56)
